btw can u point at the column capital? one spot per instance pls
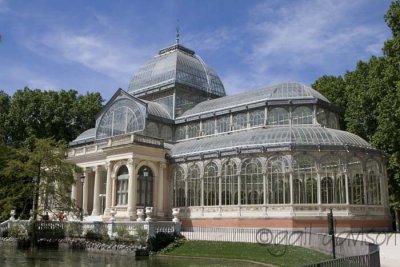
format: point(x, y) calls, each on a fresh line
point(108, 165)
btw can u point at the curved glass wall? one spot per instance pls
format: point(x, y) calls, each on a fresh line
point(302, 178)
point(276, 116)
point(124, 116)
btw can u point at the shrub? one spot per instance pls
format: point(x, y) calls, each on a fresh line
point(162, 240)
point(141, 234)
point(123, 234)
point(73, 229)
point(18, 231)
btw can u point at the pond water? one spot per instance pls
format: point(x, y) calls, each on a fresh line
point(11, 257)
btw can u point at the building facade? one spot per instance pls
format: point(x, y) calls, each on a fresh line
point(273, 157)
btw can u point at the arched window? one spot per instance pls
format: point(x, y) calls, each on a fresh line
point(356, 181)
point(322, 117)
point(305, 171)
point(256, 117)
point(194, 186)
point(180, 132)
point(278, 181)
point(239, 121)
point(208, 127)
point(179, 187)
point(211, 185)
point(298, 191)
point(166, 133)
point(373, 183)
point(122, 185)
point(223, 124)
point(278, 116)
point(229, 183)
point(252, 181)
point(152, 129)
point(193, 129)
point(334, 189)
point(327, 190)
point(302, 115)
point(145, 187)
point(124, 116)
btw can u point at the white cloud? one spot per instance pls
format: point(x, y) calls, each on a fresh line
point(98, 53)
point(309, 33)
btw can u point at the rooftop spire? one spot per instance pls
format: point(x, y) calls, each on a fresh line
point(177, 32)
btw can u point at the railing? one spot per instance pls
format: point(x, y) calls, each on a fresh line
point(349, 252)
point(97, 227)
point(115, 141)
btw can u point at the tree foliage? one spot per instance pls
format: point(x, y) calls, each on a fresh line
point(43, 114)
point(370, 95)
point(35, 127)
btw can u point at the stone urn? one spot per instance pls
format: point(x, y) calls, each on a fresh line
point(12, 214)
point(149, 214)
point(140, 215)
point(113, 212)
point(175, 213)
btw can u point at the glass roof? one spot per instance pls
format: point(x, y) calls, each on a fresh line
point(284, 91)
point(88, 134)
point(269, 137)
point(157, 110)
point(176, 64)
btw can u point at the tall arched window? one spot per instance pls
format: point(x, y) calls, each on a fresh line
point(252, 182)
point(179, 187)
point(194, 186)
point(333, 188)
point(180, 132)
point(302, 115)
point(223, 124)
point(229, 183)
point(278, 116)
point(256, 117)
point(122, 185)
point(166, 133)
point(278, 181)
point(239, 121)
point(373, 183)
point(193, 129)
point(211, 185)
point(145, 187)
point(208, 127)
point(356, 181)
point(152, 129)
point(304, 170)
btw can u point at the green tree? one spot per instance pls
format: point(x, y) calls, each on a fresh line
point(37, 173)
point(61, 115)
point(371, 98)
point(4, 109)
point(333, 87)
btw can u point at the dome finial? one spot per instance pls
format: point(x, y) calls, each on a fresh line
point(177, 32)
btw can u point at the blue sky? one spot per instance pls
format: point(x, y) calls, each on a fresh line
point(98, 45)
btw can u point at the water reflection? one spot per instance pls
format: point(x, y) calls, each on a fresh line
point(10, 257)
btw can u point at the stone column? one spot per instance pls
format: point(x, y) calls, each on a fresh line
point(85, 192)
point(291, 189)
point(346, 179)
point(160, 204)
point(96, 197)
point(108, 189)
point(74, 192)
point(132, 189)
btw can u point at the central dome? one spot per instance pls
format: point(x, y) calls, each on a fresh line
point(176, 65)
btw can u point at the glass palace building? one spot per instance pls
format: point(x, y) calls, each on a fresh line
point(273, 157)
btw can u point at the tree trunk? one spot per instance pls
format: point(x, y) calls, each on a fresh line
point(397, 219)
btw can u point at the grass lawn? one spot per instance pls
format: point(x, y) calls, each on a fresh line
point(270, 254)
